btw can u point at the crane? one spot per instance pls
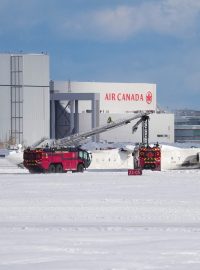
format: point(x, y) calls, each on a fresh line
point(75, 139)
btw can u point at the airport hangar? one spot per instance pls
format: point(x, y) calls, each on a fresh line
point(33, 106)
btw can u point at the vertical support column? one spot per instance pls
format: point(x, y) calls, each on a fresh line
point(94, 123)
point(71, 117)
point(145, 131)
point(76, 118)
point(52, 113)
point(95, 117)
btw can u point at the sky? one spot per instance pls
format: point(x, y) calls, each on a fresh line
point(139, 41)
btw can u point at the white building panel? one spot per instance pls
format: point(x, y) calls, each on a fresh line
point(5, 105)
point(4, 113)
point(160, 128)
point(5, 69)
point(115, 97)
point(36, 109)
point(24, 97)
point(36, 114)
point(36, 69)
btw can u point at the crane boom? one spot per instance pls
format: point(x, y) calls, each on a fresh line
point(77, 138)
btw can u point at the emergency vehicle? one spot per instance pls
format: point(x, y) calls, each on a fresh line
point(62, 157)
point(56, 160)
point(146, 156)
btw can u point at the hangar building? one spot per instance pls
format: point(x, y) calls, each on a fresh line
point(26, 93)
point(116, 101)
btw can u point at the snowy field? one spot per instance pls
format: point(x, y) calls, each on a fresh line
point(99, 220)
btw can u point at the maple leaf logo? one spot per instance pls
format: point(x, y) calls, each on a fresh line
point(149, 97)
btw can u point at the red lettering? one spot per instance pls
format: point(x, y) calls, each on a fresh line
point(107, 97)
point(124, 97)
point(119, 96)
point(113, 96)
point(128, 97)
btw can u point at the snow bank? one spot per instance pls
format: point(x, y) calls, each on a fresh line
point(111, 159)
point(179, 158)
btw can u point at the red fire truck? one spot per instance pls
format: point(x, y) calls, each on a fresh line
point(146, 156)
point(56, 160)
point(62, 157)
point(149, 157)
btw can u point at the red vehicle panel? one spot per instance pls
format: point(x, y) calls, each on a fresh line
point(150, 158)
point(147, 157)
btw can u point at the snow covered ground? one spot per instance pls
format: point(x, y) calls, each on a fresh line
point(99, 220)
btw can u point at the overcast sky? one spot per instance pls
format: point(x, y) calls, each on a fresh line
point(140, 41)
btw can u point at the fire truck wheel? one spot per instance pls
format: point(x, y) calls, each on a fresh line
point(32, 171)
point(52, 169)
point(59, 168)
point(80, 168)
point(153, 166)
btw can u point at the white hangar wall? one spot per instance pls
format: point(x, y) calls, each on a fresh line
point(5, 110)
point(37, 98)
point(118, 101)
point(161, 128)
point(114, 97)
point(24, 97)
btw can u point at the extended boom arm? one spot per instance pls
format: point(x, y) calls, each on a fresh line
point(77, 138)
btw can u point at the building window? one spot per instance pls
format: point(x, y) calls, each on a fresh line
point(162, 135)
